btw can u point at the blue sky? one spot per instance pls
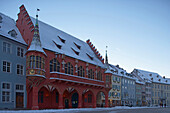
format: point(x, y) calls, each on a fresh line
point(137, 32)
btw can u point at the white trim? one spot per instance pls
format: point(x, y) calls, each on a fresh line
point(76, 81)
point(6, 65)
point(77, 76)
point(20, 51)
point(6, 90)
point(10, 47)
point(43, 76)
point(20, 69)
point(22, 91)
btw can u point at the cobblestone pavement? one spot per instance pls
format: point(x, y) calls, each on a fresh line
point(143, 110)
point(147, 110)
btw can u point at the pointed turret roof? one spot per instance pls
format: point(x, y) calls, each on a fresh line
point(106, 58)
point(36, 43)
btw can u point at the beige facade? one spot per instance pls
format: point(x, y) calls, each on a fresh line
point(160, 94)
point(115, 92)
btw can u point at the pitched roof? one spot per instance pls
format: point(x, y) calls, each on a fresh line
point(152, 77)
point(36, 43)
point(120, 71)
point(60, 42)
point(8, 27)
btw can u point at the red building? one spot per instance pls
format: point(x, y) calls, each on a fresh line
point(62, 71)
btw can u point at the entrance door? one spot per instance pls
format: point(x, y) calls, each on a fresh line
point(19, 100)
point(66, 103)
point(74, 100)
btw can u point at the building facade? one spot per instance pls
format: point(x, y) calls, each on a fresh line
point(156, 88)
point(62, 71)
point(12, 65)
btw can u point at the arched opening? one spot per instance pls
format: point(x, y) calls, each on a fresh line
point(74, 100)
point(100, 99)
point(48, 97)
point(88, 99)
point(70, 98)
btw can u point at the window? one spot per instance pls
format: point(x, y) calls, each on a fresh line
point(20, 70)
point(6, 47)
point(20, 52)
point(99, 76)
point(6, 66)
point(69, 68)
point(54, 65)
point(91, 74)
point(107, 78)
point(19, 87)
point(57, 97)
point(5, 92)
point(81, 71)
point(77, 53)
point(36, 62)
point(40, 97)
point(89, 98)
point(62, 40)
point(77, 45)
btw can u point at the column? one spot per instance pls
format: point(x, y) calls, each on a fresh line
point(106, 99)
point(60, 103)
point(35, 98)
point(80, 101)
point(94, 101)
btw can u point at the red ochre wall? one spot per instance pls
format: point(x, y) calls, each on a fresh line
point(25, 26)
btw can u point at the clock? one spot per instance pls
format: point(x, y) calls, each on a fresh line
point(32, 72)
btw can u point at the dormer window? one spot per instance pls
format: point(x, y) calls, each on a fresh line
point(0, 19)
point(157, 76)
point(77, 53)
point(77, 45)
point(151, 78)
point(12, 33)
point(150, 74)
point(122, 72)
point(159, 80)
point(62, 40)
point(90, 56)
point(59, 46)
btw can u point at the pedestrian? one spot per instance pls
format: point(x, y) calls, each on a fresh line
point(165, 105)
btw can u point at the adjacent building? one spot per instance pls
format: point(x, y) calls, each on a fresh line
point(156, 87)
point(12, 65)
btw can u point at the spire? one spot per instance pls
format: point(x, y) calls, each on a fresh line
point(36, 42)
point(36, 36)
point(106, 59)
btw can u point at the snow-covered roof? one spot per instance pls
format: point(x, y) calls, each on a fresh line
point(138, 80)
point(60, 42)
point(9, 30)
point(120, 71)
point(152, 77)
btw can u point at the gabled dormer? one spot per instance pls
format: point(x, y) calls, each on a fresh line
point(13, 33)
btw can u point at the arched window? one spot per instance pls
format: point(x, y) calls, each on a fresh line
point(81, 71)
point(36, 62)
point(54, 65)
point(69, 68)
point(91, 74)
point(99, 76)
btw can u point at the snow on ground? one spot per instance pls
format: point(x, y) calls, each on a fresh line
point(72, 110)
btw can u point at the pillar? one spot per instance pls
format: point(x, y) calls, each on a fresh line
point(106, 99)
point(35, 98)
point(94, 101)
point(60, 103)
point(80, 101)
